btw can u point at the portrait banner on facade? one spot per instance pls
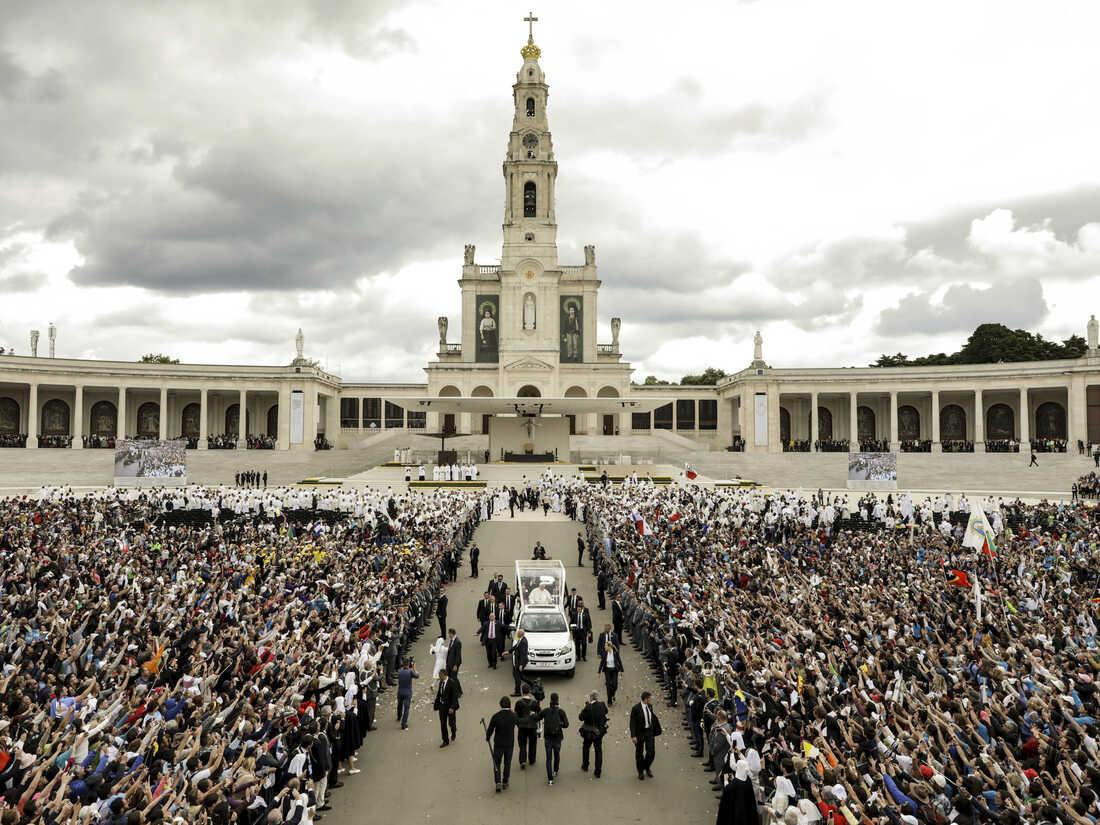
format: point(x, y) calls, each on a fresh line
point(297, 416)
point(760, 419)
point(487, 331)
point(572, 329)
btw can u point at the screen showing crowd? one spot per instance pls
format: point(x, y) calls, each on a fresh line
point(872, 467)
point(149, 458)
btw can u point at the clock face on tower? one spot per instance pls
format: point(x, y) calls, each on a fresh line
point(530, 142)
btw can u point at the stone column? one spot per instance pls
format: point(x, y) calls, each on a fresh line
point(332, 419)
point(284, 418)
point(77, 428)
point(775, 445)
point(894, 422)
point(202, 419)
point(242, 422)
point(309, 398)
point(163, 428)
point(1025, 420)
point(725, 421)
point(979, 422)
point(1077, 419)
point(32, 417)
point(936, 446)
point(121, 412)
point(814, 426)
point(853, 422)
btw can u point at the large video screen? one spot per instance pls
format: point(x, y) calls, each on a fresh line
point(149, 458)
point(872, 466)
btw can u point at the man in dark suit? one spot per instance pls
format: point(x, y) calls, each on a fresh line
point(611, 665)
point(454, 653)
point(519, 659)
point(492, 636)
point(446, 703)
point(497, 587)
point(485, 608)
point(580, 550)
point(502, 732)
point(603, 639)
point(593, 718)
point(644, 728)
point(602, 581)
point(441, 615)
point(475, 554)
point(582, 633)
point(617, 616)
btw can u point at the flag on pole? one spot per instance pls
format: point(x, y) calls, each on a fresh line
point(959, 578)
point(675, 517)
point(979, 532)
point(977, 602)
point(690, 473)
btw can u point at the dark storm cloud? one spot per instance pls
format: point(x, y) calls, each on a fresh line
point(284, 206)
point(1017, 304)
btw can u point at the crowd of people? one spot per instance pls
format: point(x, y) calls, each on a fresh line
point(848, 676)
point(225, 671)
point(13, 439)
point(221, 672)
point(1087, 486)
point(250, 478)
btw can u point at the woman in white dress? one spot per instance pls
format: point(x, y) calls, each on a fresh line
point(439, 650)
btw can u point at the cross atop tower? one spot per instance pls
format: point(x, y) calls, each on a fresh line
point(530, 20)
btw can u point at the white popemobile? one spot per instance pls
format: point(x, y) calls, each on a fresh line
point(543, 618)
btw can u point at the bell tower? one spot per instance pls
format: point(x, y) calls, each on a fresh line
point(530, 171)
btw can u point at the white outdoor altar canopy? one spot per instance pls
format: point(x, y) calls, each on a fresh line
point(529, 429)
point(531, 406)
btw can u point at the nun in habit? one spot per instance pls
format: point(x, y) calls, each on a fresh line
point(738, 803)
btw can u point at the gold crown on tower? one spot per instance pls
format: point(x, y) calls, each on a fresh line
point(530, 50)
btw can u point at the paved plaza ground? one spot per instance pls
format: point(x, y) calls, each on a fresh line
point(408, 778)
point(986, 473)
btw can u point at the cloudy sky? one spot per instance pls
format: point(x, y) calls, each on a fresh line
point(202, 178)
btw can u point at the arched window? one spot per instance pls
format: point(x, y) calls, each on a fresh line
point(530, 107)
point(529, 199)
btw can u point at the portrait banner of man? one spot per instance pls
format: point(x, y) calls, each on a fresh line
point(572, 329)
point(487, 331)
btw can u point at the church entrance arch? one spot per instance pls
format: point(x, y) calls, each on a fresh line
point(448, 422)
point(784, 425)
point(273, 421)
point(865, 424)
point(148, 420)
point(574, 392)
point(483, 392)
point(952, 423)
point(233, 420)
point(189, 420)
point(529, 391)
point(1000, 423)
point(55, 417)
point(1050, 420)
point(908, 423)
point(824, 424)
point(104, 419)
point(9, 416)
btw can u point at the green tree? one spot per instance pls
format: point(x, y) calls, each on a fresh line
point(994, 343)
point(711, 375)
point(157, 358)
point(654, 381)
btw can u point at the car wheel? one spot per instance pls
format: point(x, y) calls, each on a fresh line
point(569, 673)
